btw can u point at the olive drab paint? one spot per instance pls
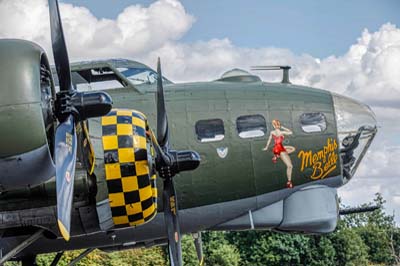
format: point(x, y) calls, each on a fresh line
point(234, 167)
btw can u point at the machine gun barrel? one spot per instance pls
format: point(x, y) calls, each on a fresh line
point(358, 210)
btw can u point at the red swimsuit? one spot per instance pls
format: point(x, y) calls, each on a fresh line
point(277, 150)
point(278, 147)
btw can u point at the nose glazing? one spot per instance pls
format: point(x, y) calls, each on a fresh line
point(356, 127)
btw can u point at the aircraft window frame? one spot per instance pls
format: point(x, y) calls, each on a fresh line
point(213, 124)
point(138, 75)
point(320, 126)
point(99, 85)
point(81, 84)
point(245, 134)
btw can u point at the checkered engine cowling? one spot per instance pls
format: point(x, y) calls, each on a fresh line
point(128, 157)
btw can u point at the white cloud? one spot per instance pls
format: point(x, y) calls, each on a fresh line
point(362, 190)
point(208, 60)
point(136, 30)
point(369, 71)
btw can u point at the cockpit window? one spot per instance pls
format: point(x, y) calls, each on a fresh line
point(313, 122)
point(110, 74)
point(139, 75)
point(210, 130)
point(251, 126)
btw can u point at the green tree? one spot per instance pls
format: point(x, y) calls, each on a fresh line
point(280, 249)
point(376, 230)
point(189, 255)
point(134, 257)
point(350, 248)
point(321, 252)
point(244, 241)
point(218, 251)
point(395, 245)
point(270, 248)
point(223, 255)
point(378, 243)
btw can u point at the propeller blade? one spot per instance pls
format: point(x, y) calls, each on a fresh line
point(65, 158)
point(168, 163)
point(69, 102)
point(172, 222)
point(162, 120)
point(198, 243)
point(59, 47)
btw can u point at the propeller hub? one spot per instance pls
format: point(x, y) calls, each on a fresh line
point(187, 160)
point(82, 105)
point(179, 161)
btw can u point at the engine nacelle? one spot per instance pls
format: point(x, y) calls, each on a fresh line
point(27, 124)
point(129, 170)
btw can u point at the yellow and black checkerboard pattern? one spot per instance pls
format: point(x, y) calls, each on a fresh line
point(131, 187)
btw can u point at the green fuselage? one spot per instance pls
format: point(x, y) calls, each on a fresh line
point(243, 169)
point(246, 170)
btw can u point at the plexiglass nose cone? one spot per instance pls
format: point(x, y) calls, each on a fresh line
point(356, 126)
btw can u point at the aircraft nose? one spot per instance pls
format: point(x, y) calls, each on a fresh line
point(356, 127)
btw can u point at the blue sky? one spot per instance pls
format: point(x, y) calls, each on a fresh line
point(319, 28)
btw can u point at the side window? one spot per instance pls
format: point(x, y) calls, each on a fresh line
point(313, 122)
point(210, 130)
point(251, 126)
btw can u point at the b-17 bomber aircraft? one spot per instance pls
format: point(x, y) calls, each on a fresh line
point(112, 155)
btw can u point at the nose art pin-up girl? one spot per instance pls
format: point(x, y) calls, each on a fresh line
point(280, 151)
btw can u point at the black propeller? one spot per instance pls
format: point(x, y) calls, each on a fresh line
point(162, 119)
point(198, 244)
point(71, 107)
point(168, 163)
